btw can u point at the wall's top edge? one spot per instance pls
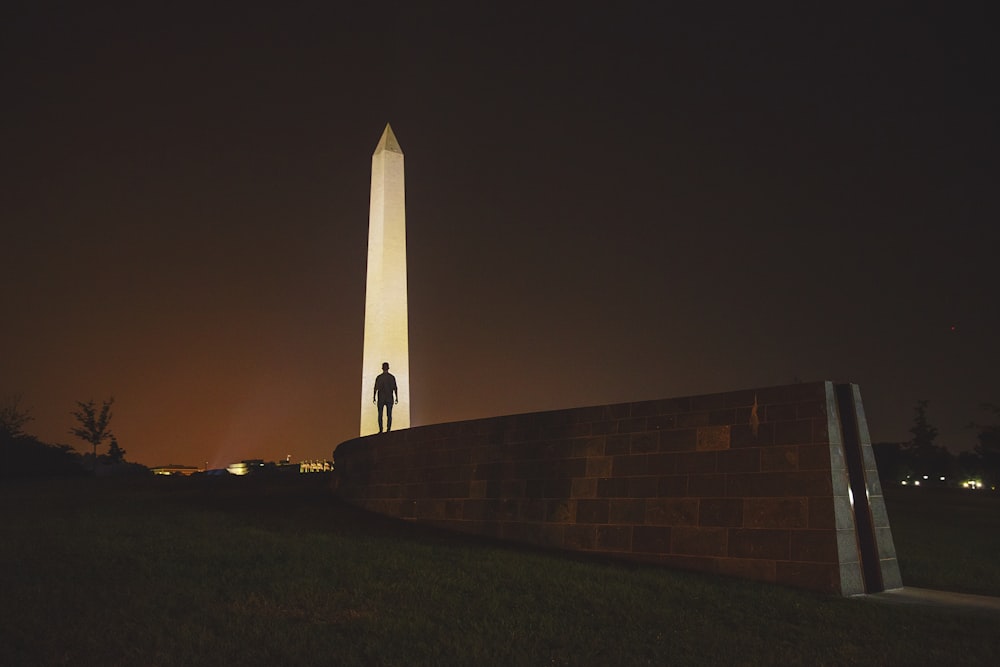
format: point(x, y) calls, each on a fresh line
point(778, 394)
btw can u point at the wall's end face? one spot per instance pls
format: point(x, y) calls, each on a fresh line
point(754, 484)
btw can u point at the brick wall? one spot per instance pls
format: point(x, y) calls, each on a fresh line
point(750, 483)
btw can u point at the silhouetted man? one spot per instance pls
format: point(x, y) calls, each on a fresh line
point(385, 393)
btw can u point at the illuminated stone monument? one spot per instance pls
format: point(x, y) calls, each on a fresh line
point(386, 330)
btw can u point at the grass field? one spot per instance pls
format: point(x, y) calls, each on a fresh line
point(246, 572)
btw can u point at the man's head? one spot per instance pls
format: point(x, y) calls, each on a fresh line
point(385, 365)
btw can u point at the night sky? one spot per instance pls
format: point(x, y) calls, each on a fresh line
point(603, 205)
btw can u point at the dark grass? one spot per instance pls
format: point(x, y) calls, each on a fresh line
point(947, 539)
point(249, 572)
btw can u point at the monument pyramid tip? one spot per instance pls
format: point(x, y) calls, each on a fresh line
point(388, 141)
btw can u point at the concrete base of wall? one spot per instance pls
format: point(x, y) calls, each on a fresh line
point(777, 484)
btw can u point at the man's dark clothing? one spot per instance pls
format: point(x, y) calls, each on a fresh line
point(385, 386)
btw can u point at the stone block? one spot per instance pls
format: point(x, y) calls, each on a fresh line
point(726, 512)
point(843, 513)
point(670, 486)
point(630, 465)
point(699, 541)
point(880, 518)
point(672, 512)
point(603, 427)
point(692, 419)
point(599, 466)
point(587, 447)
point(712, 438)
point(779, 484)
point(797, 432)
point(614, 538)
point(811, 410)
point(808, 483)
point(661, 464)
point(616, 445)
point(557, 488)
point(413, 491)
point(780, 412)
point(706, 486)
point(816, 546)
point(560, 511)
point(697, 462)
point(429, 509)
point(886, 545)
point(477, 510)
point(776, 513)
point(753, 543)
point(454, 509)
point(534, 488)
point(489, 470)
point(625, 511)
point(816, 457)
point(612, 487)
point(512, 488)
point(643, 443)
point(581, 538)
point(642, 487)
point(742, 435)
point(661, 422)
point(534, 510)
point(551, 535)
point(725, 417)
point(507, 509)
point(740, 399)
point(584, 487)
point(679, 440)
point(821, 513)
point(651, 539)
point(632, 425)
point(746, 459)
point(782, 457)
point(592, 511)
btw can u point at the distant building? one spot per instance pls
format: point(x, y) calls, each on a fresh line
point(174, 469)
point(245, 467)
point(315, 466)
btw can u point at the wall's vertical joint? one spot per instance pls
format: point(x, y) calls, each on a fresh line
point(875, 545)
point(848, 552)
point(881, 550)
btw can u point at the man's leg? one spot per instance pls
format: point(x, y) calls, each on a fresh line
point(388, 416)
point(380, 417)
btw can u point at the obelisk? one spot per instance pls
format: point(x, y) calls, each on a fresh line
point(386, 331)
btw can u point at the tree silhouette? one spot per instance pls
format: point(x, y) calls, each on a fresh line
point(115, 453)
point(94, 428)
point(924, 456)
point(13, 417)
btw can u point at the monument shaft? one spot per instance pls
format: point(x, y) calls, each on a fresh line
point(386, 328)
